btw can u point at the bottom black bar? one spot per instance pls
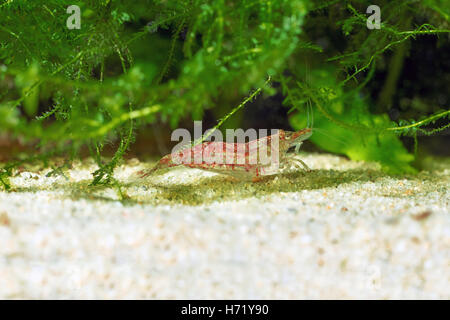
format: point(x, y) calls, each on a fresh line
point(219, 309)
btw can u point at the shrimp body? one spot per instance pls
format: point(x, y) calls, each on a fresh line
point(244, 161)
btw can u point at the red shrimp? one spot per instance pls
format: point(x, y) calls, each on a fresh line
point(240, 160)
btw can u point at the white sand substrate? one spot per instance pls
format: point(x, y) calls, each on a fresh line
point(345, 230)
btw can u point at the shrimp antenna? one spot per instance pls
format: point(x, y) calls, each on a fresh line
point(307, 114)
point(310, 115)
point(332, 137)
point(309, 109)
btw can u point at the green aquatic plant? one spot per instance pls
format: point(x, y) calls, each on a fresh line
point(346, 121)
point(135, 63)
point(344, 124)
